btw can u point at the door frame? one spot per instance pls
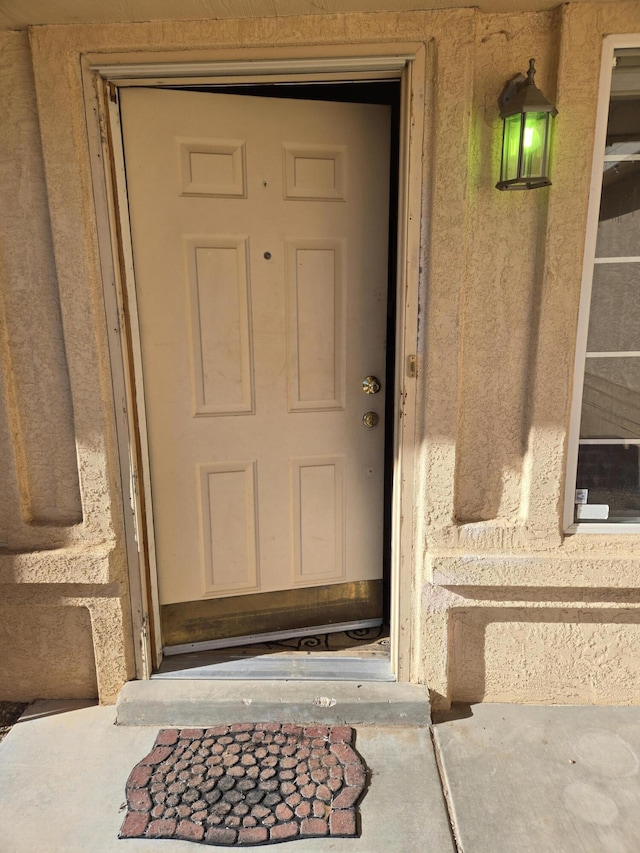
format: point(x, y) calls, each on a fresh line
point(102, 76)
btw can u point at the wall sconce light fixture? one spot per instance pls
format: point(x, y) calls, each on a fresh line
point(525, 139)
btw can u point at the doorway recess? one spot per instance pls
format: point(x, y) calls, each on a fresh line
point(359, 79)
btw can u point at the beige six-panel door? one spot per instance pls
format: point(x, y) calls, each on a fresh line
point(259, 230)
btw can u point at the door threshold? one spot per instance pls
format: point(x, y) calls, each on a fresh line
point(277, 668)
point(348, 651)
point(269, 637)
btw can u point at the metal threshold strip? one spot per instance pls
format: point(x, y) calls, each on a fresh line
point(281, 668)
point(208, 660)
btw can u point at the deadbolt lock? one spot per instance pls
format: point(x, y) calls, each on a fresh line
point(370, 420)
point(371, 385)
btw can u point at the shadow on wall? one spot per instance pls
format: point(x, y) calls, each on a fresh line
point(51, 653)
point(37, 440)
point(503, 294)
point(548, 655)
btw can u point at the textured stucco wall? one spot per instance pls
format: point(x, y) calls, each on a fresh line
point(569, 655)
point(504, 587)
point(502, 287)
point(62, 566)
point(496, 584)
point(56, 639)
point(42, 484)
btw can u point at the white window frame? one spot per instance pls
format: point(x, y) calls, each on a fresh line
point(610, 44)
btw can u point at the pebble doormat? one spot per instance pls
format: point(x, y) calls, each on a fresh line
point(246, 784)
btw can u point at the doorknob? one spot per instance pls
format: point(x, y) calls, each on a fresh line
point(371, 385)
point(370, 420)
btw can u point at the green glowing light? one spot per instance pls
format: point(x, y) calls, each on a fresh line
point(525, 146)
point(528, 137)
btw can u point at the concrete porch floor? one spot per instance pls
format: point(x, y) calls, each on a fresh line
point(498, 778)
point(64, 766)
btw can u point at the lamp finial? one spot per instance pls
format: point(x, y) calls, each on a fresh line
point(531, 73)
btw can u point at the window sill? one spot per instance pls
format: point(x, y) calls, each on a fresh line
point(604, 527)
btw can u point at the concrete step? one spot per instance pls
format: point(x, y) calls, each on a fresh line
point(215, 702)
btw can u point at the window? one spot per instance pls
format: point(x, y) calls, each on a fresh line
point(607, 463)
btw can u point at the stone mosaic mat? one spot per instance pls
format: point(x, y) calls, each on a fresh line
point(246, 784)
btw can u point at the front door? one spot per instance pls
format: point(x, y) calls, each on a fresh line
point(259, 229)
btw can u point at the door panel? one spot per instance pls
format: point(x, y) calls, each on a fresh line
point(259, 230)
point(220, 328)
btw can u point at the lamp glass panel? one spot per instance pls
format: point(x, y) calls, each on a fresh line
point(510, 147)
point(534, 144)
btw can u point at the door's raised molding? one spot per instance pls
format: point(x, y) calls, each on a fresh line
point(228, 512)
point(213, 167)
point(221, 339)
